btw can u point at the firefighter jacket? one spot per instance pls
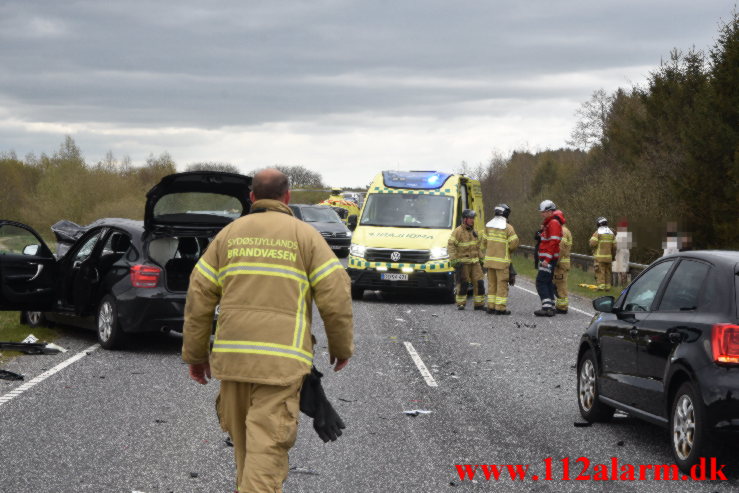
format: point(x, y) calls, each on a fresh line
point(464, 245)
point(602, 243)
point(551, 236)
point(339, 201)
point(265, 270)
point(565, 248)
point(497, 243)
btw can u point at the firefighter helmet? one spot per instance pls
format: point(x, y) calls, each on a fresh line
point(502, 210)
point(468, 213)
point(601, 221)
point(547, 205)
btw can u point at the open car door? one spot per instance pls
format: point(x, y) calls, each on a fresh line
point(27, 269)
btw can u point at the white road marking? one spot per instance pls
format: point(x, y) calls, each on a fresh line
point(31, 383)
point(421, 367)
point(571, 307)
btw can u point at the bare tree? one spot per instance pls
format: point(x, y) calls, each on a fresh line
point(212, 166)
point(592, 117)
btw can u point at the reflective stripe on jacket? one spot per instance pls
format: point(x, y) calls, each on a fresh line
point(265, 270)
point(602, 243)
point(497, 245)
point(464, 245)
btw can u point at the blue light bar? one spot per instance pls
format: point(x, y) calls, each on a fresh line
point(417, 180)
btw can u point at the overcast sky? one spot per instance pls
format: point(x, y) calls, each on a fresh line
point(346, 88)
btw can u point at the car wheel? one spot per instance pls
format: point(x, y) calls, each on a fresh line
point(357, 293)
point(34, 319)
point(591, 408)
point(109, 331)
point(690, 436)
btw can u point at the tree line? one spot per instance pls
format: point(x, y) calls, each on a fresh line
point(40, 191)
point(664, 152)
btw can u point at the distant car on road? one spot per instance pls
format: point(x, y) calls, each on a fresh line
point(667, 351)
point(121, 276)
point(325, 219)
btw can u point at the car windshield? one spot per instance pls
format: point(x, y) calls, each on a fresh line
point(198, 204)
point(408, 210)
point(319, 215)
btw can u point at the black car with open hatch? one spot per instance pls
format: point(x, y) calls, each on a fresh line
point(121, 276)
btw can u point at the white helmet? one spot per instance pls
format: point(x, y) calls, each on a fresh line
point(547, 205)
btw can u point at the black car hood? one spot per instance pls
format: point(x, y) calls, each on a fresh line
point(212, 182)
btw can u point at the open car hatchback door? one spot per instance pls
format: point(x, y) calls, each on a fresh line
point(27, 269)
point(196, 202)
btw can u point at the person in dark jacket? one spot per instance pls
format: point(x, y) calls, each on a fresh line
point(548, 256)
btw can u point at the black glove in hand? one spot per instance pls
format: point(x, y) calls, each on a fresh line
point(313, 403)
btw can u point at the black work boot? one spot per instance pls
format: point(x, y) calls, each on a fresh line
point(563, 311)
point(503, 312)
point(460, 307)
point(544, 312)
point(479, 307)
point(492, 311)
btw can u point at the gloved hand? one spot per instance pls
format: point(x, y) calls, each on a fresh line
point(512, 275)
point(454, 262)
point(313, 402)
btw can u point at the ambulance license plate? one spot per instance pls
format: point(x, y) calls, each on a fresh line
point(336, 247)
point(394, 277)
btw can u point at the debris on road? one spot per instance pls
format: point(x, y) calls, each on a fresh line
point(160, 421)
point(582, 424)
point(9, 375)
point(416, 412)
point(346, 400)
point(193, 475)
point(32, 347)
point(620, 443)
point(228, 442)
point(304, 470)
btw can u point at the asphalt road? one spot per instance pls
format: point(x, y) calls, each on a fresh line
point(132, 421)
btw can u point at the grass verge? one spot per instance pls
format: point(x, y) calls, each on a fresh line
point(11, 330)
point(525, 267)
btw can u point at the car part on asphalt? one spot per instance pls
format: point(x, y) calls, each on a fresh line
point(33, 348)
point(9, 375)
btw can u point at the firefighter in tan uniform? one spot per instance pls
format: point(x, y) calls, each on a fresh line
point(562, 272)
point(464, 251)
point(499, 240)
point(265, 270)
point(602, 244)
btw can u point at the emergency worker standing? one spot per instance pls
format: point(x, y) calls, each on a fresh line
point(602, 244)
point(337, 200)
point(265, 270)
point(497, 243)
point(562, 271)
point(548, 256)
point(464, 254)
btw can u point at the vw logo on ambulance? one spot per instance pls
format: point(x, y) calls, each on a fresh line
point(395, 256)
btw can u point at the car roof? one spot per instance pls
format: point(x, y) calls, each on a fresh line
point(725, 258)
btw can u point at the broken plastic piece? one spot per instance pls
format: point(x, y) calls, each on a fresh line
point(33, 347)
point(9, 375)
point(416, 412)
point(304, 470)
point(582, 424)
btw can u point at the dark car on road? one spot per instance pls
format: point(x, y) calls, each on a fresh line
point(667, 351)
point(328, 223)
point(121, 276)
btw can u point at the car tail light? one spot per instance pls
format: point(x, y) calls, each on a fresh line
point(725, 343)
point(145, 276)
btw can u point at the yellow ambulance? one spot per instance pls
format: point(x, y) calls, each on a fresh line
point(400, 242)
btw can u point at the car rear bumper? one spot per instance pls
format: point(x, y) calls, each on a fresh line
point(338, 243)
point(720, 388)
point(144, 310)
point(372, 279)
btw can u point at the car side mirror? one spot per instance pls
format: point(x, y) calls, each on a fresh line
point(351, 222)
point(31, 250)
point(604, 304)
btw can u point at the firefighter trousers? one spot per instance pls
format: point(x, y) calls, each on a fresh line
point(560, 287)
point(262, 421)
point(498, 288)
point(603, 275)
point(470, 272)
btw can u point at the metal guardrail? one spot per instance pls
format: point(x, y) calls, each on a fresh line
point(584, 262)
